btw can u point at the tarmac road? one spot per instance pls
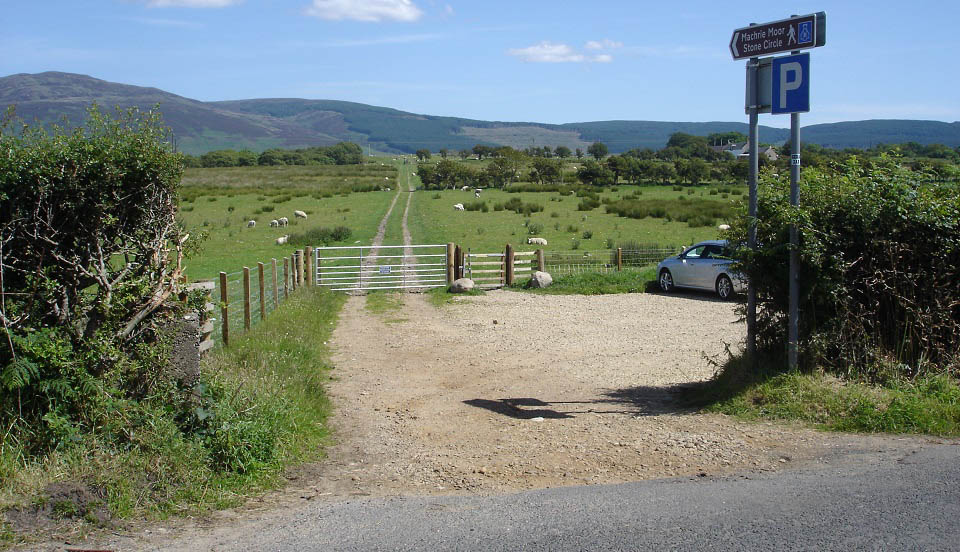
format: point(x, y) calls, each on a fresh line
point(902, 500)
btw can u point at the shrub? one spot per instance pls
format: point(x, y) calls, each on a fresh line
point(575, 244)
point(267, 209)
point(587, 234)
point(880, 266)
point(588, 204)
point(320, 236)
point(498, 207)
point(534, 228)
point(517, 205)
point(476, 206)
point(436, 196)
point(572, 228)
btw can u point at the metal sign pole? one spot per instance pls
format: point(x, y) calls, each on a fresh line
point(793, 322)
point(753, 104)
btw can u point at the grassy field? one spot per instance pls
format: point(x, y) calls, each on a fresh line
point(433, 220)
point(219, 202)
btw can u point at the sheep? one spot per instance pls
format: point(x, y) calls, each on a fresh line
point(251, 223)
point(274, 223)
point(300, 214)
point(537, 241)
point(476, 194)
point(458, 206)
point(283, 221)
point(465, 188)
point(723, 227)
point(283, 239)
point(388, 189)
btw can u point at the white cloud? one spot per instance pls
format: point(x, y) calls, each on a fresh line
point(605, 44)
point(365, 10)
point(192, 3)
point(549, 52)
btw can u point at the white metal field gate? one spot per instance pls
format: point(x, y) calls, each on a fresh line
point(364, 268)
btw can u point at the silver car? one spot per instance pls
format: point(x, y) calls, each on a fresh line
point(706, 265)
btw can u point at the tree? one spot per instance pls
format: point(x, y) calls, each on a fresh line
point(246, 158)
point(545, 170)
point(618, 165)
point(562, 152)
point(443, 152)
point(423, 154)
point(463, 154)
point(594, 174)
point(579, 153)
point(482, 151)
point(598, 150)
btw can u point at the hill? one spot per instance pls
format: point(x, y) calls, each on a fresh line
point(289, 122)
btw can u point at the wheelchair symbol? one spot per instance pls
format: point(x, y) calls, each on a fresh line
point(806, 32)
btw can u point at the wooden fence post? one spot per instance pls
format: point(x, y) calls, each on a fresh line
point(307, 262)
point(286, 278)
point(224, 310)
point(619, 259)
point(508, 265)
point(541, 263)
point(276, 290)
point(300, 267)
point(293, 272)
point(263, 295)
point(451, 252)
point(246, 298)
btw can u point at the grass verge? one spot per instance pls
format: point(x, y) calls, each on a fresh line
point(595, 283)
point(440, 297)
point(260, 407)
point(929, 405)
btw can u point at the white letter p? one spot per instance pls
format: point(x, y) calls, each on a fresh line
point(786, 84)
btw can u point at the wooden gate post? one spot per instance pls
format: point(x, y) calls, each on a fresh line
point(276, 290)
point(286, 278)
point(246, 298)
point(224, 309)
point(307, 261)
point(619, 259)
point(541, 264)
point(457, 263)
point(451, 253)
point(508, 265)
point(293, 272)
point(263, 295)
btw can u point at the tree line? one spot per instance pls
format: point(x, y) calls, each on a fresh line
point(344, 153)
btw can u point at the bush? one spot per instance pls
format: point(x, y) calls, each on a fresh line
point(573, 229)
point(320, 236)
point(534, 228)
point(880, 266)
point(588, 204)
point(476, 206)
point(517, 205)
point(587, 234)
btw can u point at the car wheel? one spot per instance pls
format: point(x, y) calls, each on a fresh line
point(666, 280)
point(724, 287)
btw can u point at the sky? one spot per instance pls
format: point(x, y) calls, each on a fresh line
point(520, 60)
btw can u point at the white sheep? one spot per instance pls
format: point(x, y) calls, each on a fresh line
point(282, 239)
point(465, 188)
point(476, 194)
point(300, 214)
point(458, 206)
point(388, 189)
point(723, 227)
point(274, 223)
point(283, 221)
point(537, 241)
point(251, 223)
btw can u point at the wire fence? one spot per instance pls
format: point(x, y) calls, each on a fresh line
point(559, 263)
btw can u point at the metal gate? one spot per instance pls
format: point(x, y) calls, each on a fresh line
point(363, 268)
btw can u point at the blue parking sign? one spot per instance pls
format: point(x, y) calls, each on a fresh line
point(790, 79)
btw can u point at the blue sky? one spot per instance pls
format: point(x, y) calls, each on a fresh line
point(550, 62)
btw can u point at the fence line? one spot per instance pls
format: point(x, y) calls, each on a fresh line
point(248, 296)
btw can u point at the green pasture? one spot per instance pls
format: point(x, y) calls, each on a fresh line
point(217, 203)
point(434, 220)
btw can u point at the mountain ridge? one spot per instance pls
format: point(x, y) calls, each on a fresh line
point(264, 123)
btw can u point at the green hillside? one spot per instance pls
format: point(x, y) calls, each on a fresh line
point(261, 124)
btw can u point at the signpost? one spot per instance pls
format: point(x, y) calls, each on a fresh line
point(777, 85)
point(787, 35)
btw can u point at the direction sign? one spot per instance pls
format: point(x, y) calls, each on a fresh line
point(790, 80)
point(786, 35)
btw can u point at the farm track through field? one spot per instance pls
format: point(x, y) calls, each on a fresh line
point(382, 230)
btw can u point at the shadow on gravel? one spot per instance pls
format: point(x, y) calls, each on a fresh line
point(634, 401)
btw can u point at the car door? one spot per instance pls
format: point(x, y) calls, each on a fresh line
point(690, 263)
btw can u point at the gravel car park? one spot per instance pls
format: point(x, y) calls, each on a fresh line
point(706, 266)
